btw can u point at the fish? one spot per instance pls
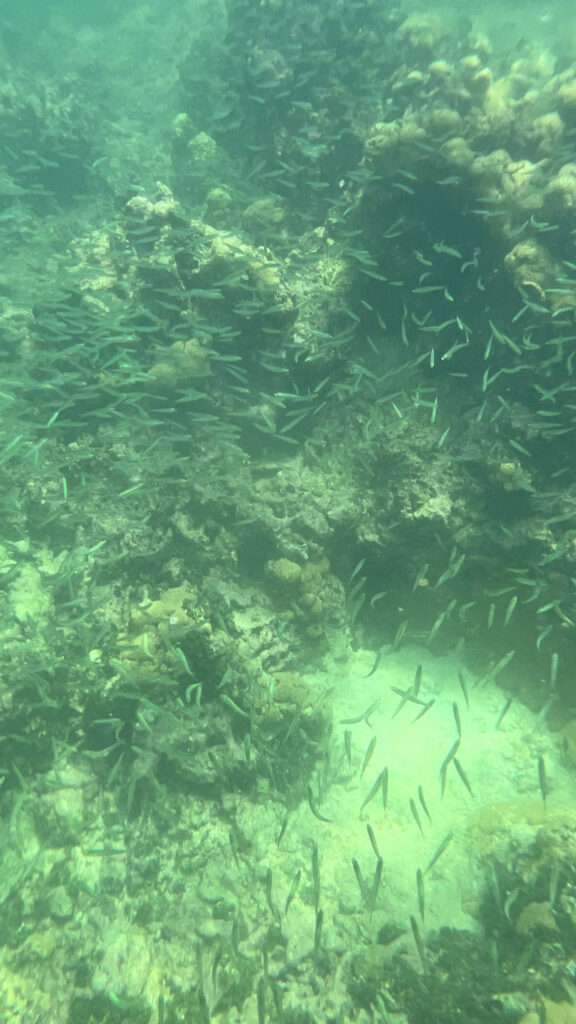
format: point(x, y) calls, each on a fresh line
point(415, 815)
point(463, 775)
point(438, 853)
point(318, 932)
point(375, 885)
point(360, 880)
point(420, 890)
point(374, 788)
point(424, 710)
point(423, 803)
point(418, 941)
point(293, 891)
point(373, 842)
point(361, 718)
point(505, 709)
point(313, 808)
point(446, 762)
point(368, 755)
point(542, 779)
point(348, 746)
point(456, 713)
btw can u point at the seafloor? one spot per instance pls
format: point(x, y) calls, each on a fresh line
point(288, 513)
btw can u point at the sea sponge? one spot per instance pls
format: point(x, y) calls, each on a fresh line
point(522, 184)
point(547, 131)
point(283, 572)
point(181, 362)
point(561, 189)
point(567, 94)
point(531, 266)
point(424, 31)
point(457, 152)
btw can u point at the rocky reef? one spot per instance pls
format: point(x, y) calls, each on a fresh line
point(287, 384)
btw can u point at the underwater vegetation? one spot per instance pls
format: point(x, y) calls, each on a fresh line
point(288, 517)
